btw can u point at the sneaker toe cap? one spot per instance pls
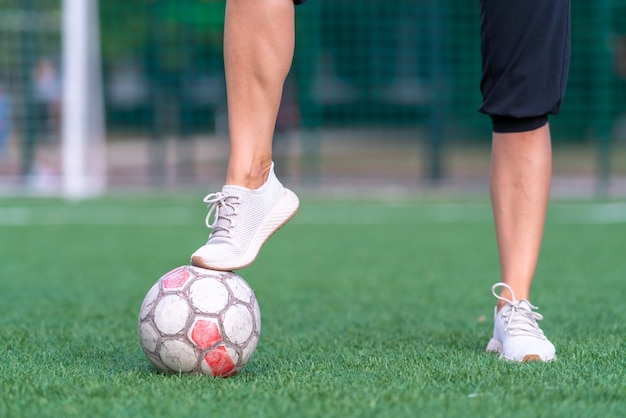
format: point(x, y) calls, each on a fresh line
point(216, 251)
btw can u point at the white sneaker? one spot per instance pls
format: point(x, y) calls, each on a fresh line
point(516, 335)
point(241, 220)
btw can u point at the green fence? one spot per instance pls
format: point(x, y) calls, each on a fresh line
point(368, 53)
point(407, 67)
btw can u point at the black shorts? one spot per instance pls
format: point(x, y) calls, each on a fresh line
point(525, 59)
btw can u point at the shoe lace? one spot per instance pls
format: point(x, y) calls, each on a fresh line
point(222, 210)
point(521, 318)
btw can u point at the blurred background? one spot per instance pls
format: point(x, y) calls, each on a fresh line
point(131, 94)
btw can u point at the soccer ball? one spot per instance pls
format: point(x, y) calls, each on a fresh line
point(199, 321)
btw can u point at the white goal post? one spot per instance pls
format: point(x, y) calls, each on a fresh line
point(82, 125)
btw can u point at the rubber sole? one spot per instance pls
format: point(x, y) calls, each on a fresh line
point(495, 346)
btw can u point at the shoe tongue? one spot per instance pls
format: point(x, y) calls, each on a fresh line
point(222, 224)
point(523, 303)
point(236, 191)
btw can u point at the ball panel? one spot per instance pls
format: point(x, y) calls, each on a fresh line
point(178, 356)
point(157, 363)
point(176, 279)
point(249, 350)
point(234, 355)
point(218, 362)
point(148, 337)
point(171, 314)
point(256, 313)
point(199, 271)
point(149, 301)
point(208, 295)
point(205, 333)
point(241, 290)
point(238, 324)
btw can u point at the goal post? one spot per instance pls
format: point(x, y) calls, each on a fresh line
point(82, 124)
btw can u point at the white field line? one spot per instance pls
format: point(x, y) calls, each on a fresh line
point(102, 215)
point(309, 214)
point(591, 213)
point(372, 214)
point(576, 214)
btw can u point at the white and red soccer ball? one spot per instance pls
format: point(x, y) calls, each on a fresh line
point(195, 320)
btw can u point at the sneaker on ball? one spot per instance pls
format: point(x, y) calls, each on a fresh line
point(241, 220)
point(516, 335)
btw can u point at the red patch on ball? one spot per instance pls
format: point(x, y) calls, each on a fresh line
point(176, 278)
point(220, 362)
point(205, 334)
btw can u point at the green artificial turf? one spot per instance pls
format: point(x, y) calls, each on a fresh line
point(368, 309)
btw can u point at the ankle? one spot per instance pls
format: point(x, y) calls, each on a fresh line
point(500, 305)
point(509, 293)
point(250, 178)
